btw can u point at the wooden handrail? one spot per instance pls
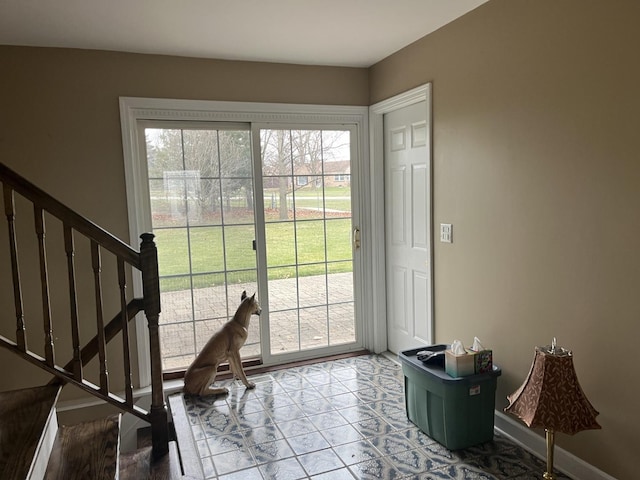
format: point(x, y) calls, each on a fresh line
point(146, 261)
point(69, 217)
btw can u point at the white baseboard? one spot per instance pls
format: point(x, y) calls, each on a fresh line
point(564, 461)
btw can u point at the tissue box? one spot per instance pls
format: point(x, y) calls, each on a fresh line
point(484, 361)
point(461, 365)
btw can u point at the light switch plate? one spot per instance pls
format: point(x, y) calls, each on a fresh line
point(446, 233)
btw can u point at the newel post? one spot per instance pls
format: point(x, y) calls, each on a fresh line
point(151, 292)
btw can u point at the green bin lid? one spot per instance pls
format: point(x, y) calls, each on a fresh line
point(408, 357)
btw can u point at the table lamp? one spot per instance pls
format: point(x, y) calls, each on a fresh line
point(551, 398)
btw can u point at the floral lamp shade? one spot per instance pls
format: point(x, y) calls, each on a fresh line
point(551, 396)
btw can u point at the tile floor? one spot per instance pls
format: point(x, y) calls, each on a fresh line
point(340, 419)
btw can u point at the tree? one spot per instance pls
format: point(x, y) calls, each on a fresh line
point(213, 167)
point(276, 163)
point(210, 166)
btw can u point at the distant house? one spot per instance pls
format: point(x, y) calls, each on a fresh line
point(336, 174)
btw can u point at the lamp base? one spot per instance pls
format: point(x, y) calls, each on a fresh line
point(548, 475)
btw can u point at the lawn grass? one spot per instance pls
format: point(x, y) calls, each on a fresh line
point(335, 198)
point(317, 241)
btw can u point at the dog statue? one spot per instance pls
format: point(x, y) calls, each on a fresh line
point(224, 345)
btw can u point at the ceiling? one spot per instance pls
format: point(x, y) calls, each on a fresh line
point(354, 33)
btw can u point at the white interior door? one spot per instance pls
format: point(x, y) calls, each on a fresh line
point(407, 231)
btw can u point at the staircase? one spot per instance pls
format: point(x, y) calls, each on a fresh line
point(32, 444)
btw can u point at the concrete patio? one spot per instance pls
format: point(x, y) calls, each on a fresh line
point(305, 313)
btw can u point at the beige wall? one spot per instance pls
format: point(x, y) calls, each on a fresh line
point(537, 166)
point(60, 128)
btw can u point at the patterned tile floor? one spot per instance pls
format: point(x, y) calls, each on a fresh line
point(340, 419)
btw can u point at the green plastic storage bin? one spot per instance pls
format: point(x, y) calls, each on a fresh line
point(456, 412)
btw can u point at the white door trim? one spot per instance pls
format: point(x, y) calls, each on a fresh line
point(377, 339)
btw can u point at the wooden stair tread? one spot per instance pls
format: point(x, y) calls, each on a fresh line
point(136, 464)
point(189, 453)
point(86, 450)
point(140, 465)
point(24, 415)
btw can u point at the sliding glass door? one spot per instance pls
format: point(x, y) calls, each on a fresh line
point(308, 228)
point(244, 207)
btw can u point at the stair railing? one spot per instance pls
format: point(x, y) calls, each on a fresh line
point(128, 260)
